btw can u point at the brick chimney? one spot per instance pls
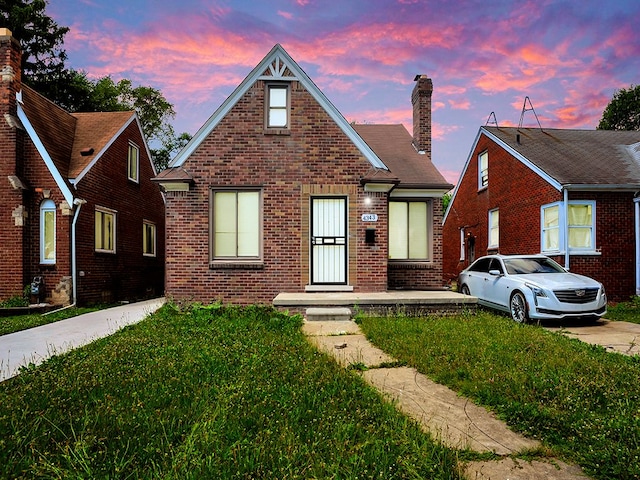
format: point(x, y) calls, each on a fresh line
point(421, 101)
point(10, 75)
point(13, 235)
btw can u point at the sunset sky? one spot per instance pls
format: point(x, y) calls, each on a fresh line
point(568, 57)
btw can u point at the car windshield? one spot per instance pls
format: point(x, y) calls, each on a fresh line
point(518, 266)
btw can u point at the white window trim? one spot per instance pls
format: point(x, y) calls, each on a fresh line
point(561, 229)
point(482, 185)
point(281, 86)
point(564, 229)
point(137, 149)
point(145, 224)
point(490, 225)
point(237, 260)
point(428, 232)
point(115, 220)
point(47, 206)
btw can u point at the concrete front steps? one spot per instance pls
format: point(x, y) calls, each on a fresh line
point(342, 305)
point(328, 314)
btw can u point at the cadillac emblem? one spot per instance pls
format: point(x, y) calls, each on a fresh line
point(580, 293)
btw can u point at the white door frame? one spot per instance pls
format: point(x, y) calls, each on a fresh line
point(329, 245)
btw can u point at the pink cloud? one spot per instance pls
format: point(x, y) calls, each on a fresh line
point(287, 15)
point(462, 104)
point(441, 132)
point(451, 90)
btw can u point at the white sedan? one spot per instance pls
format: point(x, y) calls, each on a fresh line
point(532, 287)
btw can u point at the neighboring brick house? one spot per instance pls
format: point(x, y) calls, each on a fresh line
point(569, 194)
point(77, 206)
point(277, 192)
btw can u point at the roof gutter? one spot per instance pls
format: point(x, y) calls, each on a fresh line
point(587, 187)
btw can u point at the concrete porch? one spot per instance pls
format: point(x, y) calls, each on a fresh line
point(414, 302)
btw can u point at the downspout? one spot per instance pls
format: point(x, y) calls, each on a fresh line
point(78, 202)
point(636, 204)
point(74, 274)
point(565, 194)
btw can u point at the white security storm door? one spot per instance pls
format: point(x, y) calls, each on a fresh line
point(329, 240)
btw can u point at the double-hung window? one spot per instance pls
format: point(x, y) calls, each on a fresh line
point(409, 230)
point(133, 162)
point(578, 227)
point(48, 232)
point(550, 228)
point(236, 225)
point(105, 230)
point(483, 170)
point(581, 225)
point(277, 106)
point(494, 229)
point(148, 239)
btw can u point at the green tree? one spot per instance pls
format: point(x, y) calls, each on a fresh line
point(446, 200)
point(43, 68)
point(623, 111)
point(42, 40)
point(154, 112)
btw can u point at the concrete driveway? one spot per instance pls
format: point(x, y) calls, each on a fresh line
point(621, 337)
point(37, 344)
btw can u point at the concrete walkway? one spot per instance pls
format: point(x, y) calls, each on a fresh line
point(35, 345)
point(620, 337)
point(454, 420)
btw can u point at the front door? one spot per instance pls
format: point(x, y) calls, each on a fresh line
point(329, 240)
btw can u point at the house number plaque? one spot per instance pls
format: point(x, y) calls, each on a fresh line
point(369, 217)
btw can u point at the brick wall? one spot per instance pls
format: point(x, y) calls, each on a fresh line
point(127, 274)
point(615, 240)
point(315, 158)
point(44, 187)
point(519, 193)
point(12, 237)
point(422, 276)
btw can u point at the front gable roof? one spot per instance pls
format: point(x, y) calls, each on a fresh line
point(569, 159)
point(70, 144)
point(589, 158)
point(95, 132)
point(277, 65)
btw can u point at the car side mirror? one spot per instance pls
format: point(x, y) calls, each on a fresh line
point(495, 273)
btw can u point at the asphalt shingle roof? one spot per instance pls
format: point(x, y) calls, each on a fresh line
point(578, 157)
point(64, 135)
point(393, 145)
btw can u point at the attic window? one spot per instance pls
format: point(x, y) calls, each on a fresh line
point(483, 170)
point(133, 162)
point(277, 106)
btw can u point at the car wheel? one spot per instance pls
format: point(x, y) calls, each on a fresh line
point(464, 290)
point(518, 307)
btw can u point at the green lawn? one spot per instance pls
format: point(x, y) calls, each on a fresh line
point(15, 323)
point(580, 401)
point(625, 311)
point(213, 392)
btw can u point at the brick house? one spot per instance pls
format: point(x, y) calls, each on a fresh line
point(77, 206)
point(569, 194)
point(277, 192)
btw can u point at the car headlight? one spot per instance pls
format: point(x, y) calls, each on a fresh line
point(537, 291)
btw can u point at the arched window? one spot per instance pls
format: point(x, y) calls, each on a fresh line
point(48, 232)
